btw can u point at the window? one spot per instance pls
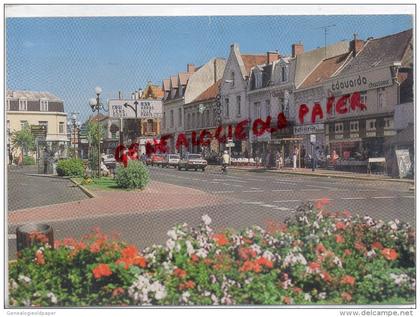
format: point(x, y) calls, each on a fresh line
point(149, 126)
point(43, 105)
point(232, 76)
point(180, 117)
point(61, 127)
point(238, 105)
point(172, 118)
point(257, 109)
point(23, 124)
point(189, 121)
point(267, 108)
point(363, 97)
point(45, 124)
point(381, 98)
point(8, 104)
point(193, 121)
point(258, 79)
point(282, 106)
point(371, 125)
point(354, 126)
point(389, 123)
point(339, 127)
point(23, 104)
point(164, 120)
point(207, 118)
point(283, 73)
point(227, 107)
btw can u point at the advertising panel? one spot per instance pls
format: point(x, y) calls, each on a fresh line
point(125, 108)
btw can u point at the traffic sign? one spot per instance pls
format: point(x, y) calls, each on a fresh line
point(230, 144)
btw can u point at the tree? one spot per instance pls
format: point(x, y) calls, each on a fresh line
point(95, 132)
point(23, 140)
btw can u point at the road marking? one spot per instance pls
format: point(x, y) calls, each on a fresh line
point(324, 187)
point(286, 201)
point(354, 198)
point(268, 206)
point(283, 208)
point(252, 191)
point(288, 183)
point(282, 190)
point(237, 181)
point(214, 182)
point(310, 189)
point(407, 196)
point(255, 188)
point(236, 185)
point(252, 202)
point(223, 192)
point(383, 197)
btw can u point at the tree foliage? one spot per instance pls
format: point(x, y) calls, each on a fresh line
point(23, 140)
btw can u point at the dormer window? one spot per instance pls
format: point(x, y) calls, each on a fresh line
point(232, 76)
point(283, 73)
point(43, 105)
point(23, 105)
point(8, 104)
point(258, 79)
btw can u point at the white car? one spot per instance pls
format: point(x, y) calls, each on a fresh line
point(109, 159)
point(171, 160)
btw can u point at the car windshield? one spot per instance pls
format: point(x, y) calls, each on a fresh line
point(194, 156)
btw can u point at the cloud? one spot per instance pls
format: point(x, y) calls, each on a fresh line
point(28, 44)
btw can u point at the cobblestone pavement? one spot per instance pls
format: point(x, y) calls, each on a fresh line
point(25, 191)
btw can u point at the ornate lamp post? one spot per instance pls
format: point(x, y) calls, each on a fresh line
point(96, 105)
point(74, 125)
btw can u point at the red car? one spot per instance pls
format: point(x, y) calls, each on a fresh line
point(155, 159)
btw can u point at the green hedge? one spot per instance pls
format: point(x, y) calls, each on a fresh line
point(70, 167)
point(135, 175)
point(28, 160)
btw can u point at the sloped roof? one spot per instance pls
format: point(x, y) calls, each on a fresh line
point(31, 95)
point(209, 93)
point(324, 70)
point(98, 118)
point(166, 84)
point(380, 52)
point(174, 81)
point(183, 78)
point(252, 60)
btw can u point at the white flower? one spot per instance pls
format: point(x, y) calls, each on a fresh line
point(190, 248)
point(172, 234)
point(24, 279)
point(214, 299)
point(249, 234)
point(206, 219)
point(268, 255)
point(322, 295)
point(371, 254)
point(13, 285)
point(52, 297)
point(177, 247)
point(307, 297)
point(393, 225)
point(185, 296)
point(170, 244)
point(337, 262)
point(201, 253)
point(256, 248)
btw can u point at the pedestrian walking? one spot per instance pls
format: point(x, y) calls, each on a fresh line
point(295, 155)
point(278, 156)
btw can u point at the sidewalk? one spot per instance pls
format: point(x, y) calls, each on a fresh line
point(157, 196)
point(325, 173)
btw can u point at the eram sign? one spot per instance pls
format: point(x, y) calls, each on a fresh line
point(204, 137)
point(342, 105)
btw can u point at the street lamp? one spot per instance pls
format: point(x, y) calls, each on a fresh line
point(135, 113)
point(96, 105)
point(74, 125)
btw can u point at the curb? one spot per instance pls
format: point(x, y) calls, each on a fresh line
point(327, 175)
point(84, 189)
point(48, 175)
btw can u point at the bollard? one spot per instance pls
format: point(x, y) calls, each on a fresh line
point(32, 234)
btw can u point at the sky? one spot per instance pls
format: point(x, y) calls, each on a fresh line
point(69, 57)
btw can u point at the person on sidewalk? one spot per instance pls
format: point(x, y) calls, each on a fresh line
point(295, 155)
point(277, 160)
point(225, 161)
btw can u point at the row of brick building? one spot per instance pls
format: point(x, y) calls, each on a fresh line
point(355, 96)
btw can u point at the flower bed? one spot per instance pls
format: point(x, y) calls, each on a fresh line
point(315, 257)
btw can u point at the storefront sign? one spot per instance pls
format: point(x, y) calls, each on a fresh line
point(371, 80)
point(404, 162)
point(308, 129)
point(146, 109)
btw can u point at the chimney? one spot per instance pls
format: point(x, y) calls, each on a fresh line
point(190, 68)
point(272, 57)
point(297, 49)
point(119, 95)
point(215, 70)
point(356, 45)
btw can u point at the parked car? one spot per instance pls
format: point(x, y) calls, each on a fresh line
point(109, 161)
point(171, 160)
point(155, 159)
point(192, 161)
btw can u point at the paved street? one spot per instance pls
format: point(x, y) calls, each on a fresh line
point(237, 200)
point(24, 191)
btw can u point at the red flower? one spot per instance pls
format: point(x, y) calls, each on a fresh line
point(313, 266)
point(195, 258)
point(377, 245)
point(139, 261)
point(247, 253)
point(129, 252)
point(359, 246)
point(389, 254)
point(118, 291)
point(220, 239)
point(187, 285)
point(287, 300)
point(320, 248)
point(180, 273)
point(348, 280)
point(265, 262)
point(95, 247)
point(340, 225)
point(320, 203)
point(297, 290)
point(346, 296)
point(39, 257)
point(101, 270)
point(326, 277)
point(346, 213)
point(339, 238)
point(250, 266)
point(347, 252)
